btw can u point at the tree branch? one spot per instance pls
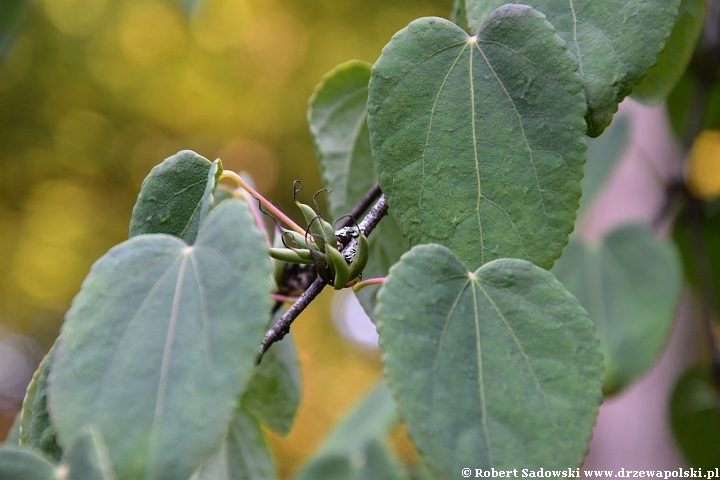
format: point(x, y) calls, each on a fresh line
point(282, 326)
point(372, 195)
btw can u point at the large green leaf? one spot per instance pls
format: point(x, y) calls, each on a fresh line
point(175, 195)
point(338, 122)
point(479, 142)
point(36, 431)
point(20, 464)
point(672, 61)
point(273, 394)
point(337, 116)
point(695, 418)
point(180, 328)
point(629, 284)
point(244, 454)
point(603, 154)
point(499, 367)
point(354, 449)
point(615, 41)
point(11, 13)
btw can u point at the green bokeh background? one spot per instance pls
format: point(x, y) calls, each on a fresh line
point(94, 93)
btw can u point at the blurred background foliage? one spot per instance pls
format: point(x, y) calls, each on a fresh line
point(94, 93)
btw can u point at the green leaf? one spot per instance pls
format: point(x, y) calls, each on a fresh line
point(347, 452)
point(695, 418)
point(333, 467)
point(499, 367)
point(372, 417)
point(682, 106)
point(629, 284)
point(459, 15)
point(479, 142)
point(222, 193)
point(89, 459)
point(615, 41)
point(337, 116)
point(373, 462)
point(244, 454)
point(36, 431)
point(603, 154)
point(11, 14)
point(180, 329)
point(20, 464)
point(273, 394)
point(674, 59)
point(708, 233)
point(172, 196)
point(338, 123)
point(380, 463)
point(13, 437)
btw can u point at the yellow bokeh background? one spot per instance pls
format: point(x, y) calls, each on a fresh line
point(94, 93)
point(704, 165)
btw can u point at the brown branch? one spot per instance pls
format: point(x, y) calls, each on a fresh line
point(372, 195)
point(282, 326)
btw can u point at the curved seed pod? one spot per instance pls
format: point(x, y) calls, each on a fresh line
point(299, 240)
point(361, 257)
point(338, 263)
point(301, 256)
point(278, 265)
point(328, 232)
point(315, 230)
point(321, 266)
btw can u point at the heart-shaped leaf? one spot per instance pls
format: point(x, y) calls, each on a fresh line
point(499, 367)
point(615, 41)
point(695, 418)
point(21, 464)
point(629, 284)
point(36, 431)
point(675, 57)
point(175, 196)
point(479, 141)
point(243, 455)
point(338, 122)
point(180, 327)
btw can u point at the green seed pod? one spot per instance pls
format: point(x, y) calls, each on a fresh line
point(315, 230)
point(328, 233)
point(361, 257)
point(296, 238)
point(278, 265)
point(339, 265)
point(320, 261)
point(301, 256)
